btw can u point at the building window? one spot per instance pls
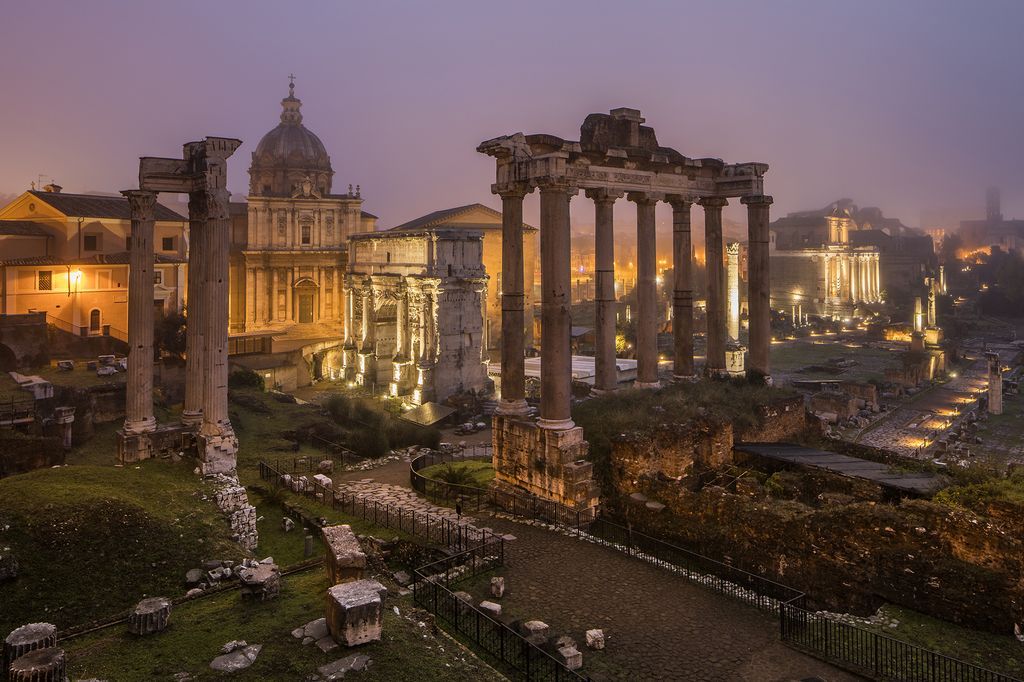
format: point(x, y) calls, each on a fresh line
point(307, 234)
point(91, 242)
point(45, 280)
point(158, 277)
point(94, 321)
point(167, 244)
point(128, 242)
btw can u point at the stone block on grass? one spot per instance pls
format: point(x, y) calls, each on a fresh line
point(355, 611)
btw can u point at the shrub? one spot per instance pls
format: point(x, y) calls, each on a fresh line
point(245, 378)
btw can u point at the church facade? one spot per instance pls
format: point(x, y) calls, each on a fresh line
point(289, 250)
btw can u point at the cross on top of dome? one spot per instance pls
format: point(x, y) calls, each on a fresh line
point(290, 105)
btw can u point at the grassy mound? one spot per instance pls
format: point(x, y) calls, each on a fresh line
point(92, 541)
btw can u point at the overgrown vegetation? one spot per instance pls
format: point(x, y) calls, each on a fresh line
point(978, 495)
point(245, 378)
point(473, 473)
point(370, 429)
point(91, 541)
point(606, 417)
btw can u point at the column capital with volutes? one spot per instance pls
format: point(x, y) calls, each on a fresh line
point(645, 197)
point(680, 201)
point(557, 186)
point(713, 202)
point(757, 200)
point(512, 190)
point(603, 195)
point(141, 202)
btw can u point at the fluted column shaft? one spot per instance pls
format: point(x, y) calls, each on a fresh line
point(758, 285)
point(606, 377)
point(139, 404)
point(402, 325)
point(192, 410)
point(369, 336)
point(215, 315)
point(513, 316)
point(682, 289)
point(646, 291)
point(556, 288)
point(715, 365)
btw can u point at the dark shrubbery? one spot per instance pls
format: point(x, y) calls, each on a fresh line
point(369, 430)
point(245, 378)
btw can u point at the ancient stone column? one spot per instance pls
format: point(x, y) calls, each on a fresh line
point(918, 315)
point(139, 394)
point(715, 365)
point(28, 638)
point(150, 616)
point(192, 411)
point(275, 308)
point(556, 287)
point(732, 287)
point(606, 377)
point(369, 335)
point(877, 278)
point(646, 292)
point(401, 324)
point(995, 383)
point(682, 289)
point(855, 287)
point(425, 380)
point(758, 285)
point(931, 303)
point(215, 318)
point(513, 317)
point(40, 665)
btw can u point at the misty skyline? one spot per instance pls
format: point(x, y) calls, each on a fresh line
point(909, 107)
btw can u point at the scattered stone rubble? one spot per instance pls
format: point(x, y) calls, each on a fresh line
point(337, 669)
point(237, 655)
point(261, 581)
point(231, 499)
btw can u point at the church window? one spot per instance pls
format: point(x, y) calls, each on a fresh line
point(45, 280)
point(307, 234)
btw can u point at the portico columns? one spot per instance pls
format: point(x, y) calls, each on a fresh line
point(682, 289)
point(606, 375)
point(556, 358)
point(513, 370)
point(139, 405)
point(646, 291)
point(758, 284)
point(192, 410)
point(715, 365)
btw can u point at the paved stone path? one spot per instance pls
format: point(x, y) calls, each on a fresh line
point(660, 626)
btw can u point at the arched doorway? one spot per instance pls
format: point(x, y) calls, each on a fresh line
point(306, 292)
point(94, 321)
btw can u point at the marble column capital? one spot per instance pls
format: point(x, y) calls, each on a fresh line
point(645, 197)
point(679, 202)
point(602, 195)
point(713, 202)
point(141, 202)
point(557, 186)
point(757, 200)
point(512, 190)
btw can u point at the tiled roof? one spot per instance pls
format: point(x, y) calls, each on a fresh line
point(443, 217)
point(120, 258)
point(22, 228)
point(96, 206)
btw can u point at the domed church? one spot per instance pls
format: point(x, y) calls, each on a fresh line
point(289, 251)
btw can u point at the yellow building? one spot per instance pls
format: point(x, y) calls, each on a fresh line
point(67, 255)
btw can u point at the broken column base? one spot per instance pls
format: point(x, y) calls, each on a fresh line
point(544, 462)
point(40, 665)
point(735, 360)
point(217, 454)
point(165, 439)
point(355, 611)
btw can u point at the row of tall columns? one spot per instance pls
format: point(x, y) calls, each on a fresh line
point(139, 397)
point(198, 300)
point(852, 278)
point(556, 367)
point(217, 240)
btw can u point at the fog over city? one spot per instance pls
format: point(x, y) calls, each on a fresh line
point(908, 106)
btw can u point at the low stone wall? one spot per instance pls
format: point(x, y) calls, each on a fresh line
point(951, 563)
point(549, 464)
point(779, 420)
point(673, 451)
point(231, 499)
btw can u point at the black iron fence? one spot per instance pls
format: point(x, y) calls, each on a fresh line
point(855, 648)
point(874, 654)
point(431, 591)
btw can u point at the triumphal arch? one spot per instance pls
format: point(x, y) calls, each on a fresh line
point(616, 156)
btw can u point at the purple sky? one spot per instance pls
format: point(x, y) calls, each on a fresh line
point(905, 105)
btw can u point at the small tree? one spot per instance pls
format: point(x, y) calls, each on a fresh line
point(169, 334)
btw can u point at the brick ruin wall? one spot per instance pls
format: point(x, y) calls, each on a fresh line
point(232, 500)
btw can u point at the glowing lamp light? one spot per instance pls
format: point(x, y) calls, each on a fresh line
point(76, 277)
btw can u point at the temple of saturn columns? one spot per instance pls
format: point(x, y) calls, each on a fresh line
point(205, 426)
point(615, 157)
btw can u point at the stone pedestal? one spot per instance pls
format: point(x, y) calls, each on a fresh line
point(217, 453)
point(150, 616)
point(734, 359)
point(64, 416)
point(261, 582)
point(355, 611)
point(346, 561)
point(28, 638)
point(544, 462)
point(41, 665)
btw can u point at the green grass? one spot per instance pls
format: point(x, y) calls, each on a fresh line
point(199, 628)
point(474, 473)
point(91, 541)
